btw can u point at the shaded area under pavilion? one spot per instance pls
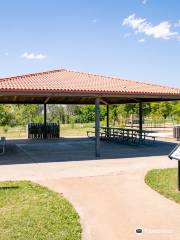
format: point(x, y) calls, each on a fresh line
point(69, 87)
point(27, 151)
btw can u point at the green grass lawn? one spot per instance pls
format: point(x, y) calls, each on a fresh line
point(31, 212)
point(164, 181)
point(78, 129)
point(13, 132)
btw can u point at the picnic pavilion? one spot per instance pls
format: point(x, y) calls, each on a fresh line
point(70, 87)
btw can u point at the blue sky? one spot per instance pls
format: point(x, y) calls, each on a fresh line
point(134, 39)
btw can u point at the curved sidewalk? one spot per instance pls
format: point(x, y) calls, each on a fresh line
point(113, 205)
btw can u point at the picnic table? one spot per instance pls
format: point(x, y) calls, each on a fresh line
point(125, 135)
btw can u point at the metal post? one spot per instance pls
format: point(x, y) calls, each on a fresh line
point(45, 121)
point(140, 120)
point(107, 115)
point(107, 120)
point(179, 175)
point(97, 128)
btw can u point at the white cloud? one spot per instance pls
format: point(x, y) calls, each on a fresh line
point(33, 56)
point(144, 1)
point(140, 25)
point(141, 40)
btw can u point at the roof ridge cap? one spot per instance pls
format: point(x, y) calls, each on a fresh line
point(99, 75)
point(123, 79)
point(31, 74)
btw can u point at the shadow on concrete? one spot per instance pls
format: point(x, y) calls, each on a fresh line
point(24, 151)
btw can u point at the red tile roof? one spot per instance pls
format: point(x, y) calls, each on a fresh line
point(63, 81)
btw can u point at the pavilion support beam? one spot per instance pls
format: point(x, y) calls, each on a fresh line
point(107, 119)
point(140, 120)
point(107, 115)
point(45, 121)
point(97, 128)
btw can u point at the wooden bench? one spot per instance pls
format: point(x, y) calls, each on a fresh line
point(2, 145)
point(93, 132)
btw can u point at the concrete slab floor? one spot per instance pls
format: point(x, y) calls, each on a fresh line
point(109, 193)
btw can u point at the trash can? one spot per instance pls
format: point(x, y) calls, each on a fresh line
point(176, 132)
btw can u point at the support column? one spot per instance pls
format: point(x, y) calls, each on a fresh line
point(107, 120)
point(45, 121)
point(178, 175)
point(107, 115)
point(97, 128)
point(140, 120)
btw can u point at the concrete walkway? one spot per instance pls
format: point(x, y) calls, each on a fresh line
point(109, 193)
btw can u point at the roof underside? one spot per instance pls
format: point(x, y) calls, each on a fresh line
point(69, 87)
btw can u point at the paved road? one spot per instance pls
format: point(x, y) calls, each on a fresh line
point(109, 194)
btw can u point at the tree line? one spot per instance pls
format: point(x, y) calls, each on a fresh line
point(21, 115)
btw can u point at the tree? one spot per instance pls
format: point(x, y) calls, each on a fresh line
point(6, 115)
point(131, 110)
point(176, 110)
point(87, 113)
point(24, 113)
point(56, 114)
point(165, 109)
